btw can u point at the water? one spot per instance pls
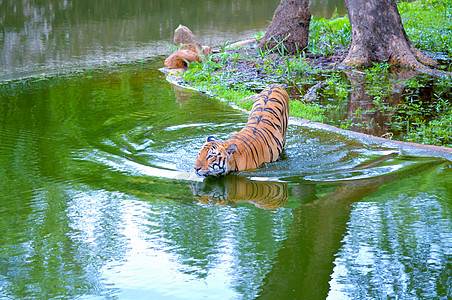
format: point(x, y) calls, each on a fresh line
point(98, 199)
point(50, 36)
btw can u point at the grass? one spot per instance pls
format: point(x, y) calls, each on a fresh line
point(307, 111)
point(428, 24)
point(435, 132)
point(327, 35)
point(202, 78)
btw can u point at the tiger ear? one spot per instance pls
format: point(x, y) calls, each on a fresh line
point(231, 149)
point(210, 138)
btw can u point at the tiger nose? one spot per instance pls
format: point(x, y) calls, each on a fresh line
point(197, 169)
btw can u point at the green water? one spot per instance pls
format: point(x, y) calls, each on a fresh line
point(98, 198)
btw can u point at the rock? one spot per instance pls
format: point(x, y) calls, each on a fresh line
point(190, 49)
point(185, 38)
point(180, 58)
point(206, 50)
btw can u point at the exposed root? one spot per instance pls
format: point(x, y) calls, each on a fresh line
point(311, 94)
point(419, 63)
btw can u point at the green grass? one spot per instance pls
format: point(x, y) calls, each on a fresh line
point(309, 111)
point(236, 95)
point(428, 24)
point(326, 35)
point(435, 132)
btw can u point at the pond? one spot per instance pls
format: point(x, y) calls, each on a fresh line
point(98, 197)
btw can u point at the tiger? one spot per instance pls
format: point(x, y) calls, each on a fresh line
point(230, 190)
point(261, 140)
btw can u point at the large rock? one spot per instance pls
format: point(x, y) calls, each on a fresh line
point(185, 38)
point(180, 59)
point(190, 49)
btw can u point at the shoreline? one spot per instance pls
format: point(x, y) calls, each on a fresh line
point(407, 148)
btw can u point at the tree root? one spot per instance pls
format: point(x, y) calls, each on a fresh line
point(416, 61)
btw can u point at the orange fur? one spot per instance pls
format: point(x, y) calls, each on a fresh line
point(261, 140)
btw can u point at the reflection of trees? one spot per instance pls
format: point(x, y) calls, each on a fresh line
point(247, 235)
point(400, 244)
point(242, 239)
point(149, 14)
point(396, 255)
point(232, 189)
point(48, 254)
point(57, 232)
point(371, 114)
point(304, 265)
point(53, 34)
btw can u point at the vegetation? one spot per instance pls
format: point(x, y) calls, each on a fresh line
point(219, 77)
point(428, 23)
point(327, 35)
point(413, 108)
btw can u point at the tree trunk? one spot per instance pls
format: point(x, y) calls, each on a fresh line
point(290, 26)
point(361, 110)
point(378, 35)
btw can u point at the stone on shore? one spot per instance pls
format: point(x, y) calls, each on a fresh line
point(185, 38)
point(190, 49)
point(206, 50)
point(180, 59)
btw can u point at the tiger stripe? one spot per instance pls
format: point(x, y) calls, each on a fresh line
point(261, 140)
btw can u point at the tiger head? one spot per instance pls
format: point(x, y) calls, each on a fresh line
point(213, 159)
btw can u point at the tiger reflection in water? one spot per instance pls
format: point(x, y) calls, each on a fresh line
point(232, 189)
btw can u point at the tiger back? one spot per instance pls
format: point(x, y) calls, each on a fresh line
point(261, 140)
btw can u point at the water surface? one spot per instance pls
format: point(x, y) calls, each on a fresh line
point(98, 198)
point(53, 36)
point(50, 36)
